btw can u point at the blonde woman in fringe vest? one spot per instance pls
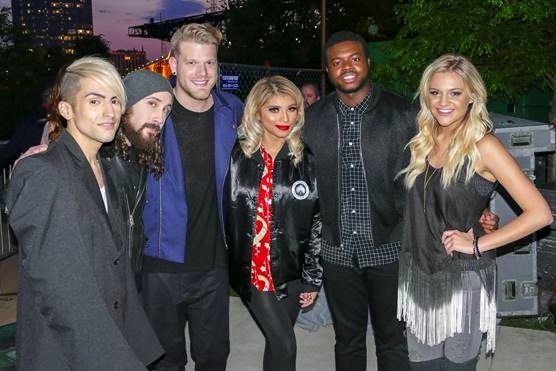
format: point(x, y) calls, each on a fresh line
point(446, 291)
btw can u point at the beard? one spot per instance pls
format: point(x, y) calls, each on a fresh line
point(141, 140)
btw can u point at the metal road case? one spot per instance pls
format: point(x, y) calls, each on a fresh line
point(517, 291)
point(546, 253)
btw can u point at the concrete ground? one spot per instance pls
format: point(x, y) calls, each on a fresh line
point(516, 350)
point(8, 289)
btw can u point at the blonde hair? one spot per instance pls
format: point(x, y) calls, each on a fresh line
point(198, 33)
point(67, 85)
point(462, 151)
point(250, 132)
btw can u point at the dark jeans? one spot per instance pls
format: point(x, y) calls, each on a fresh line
point(352, 294)
point(198, 299)
point(276, 320)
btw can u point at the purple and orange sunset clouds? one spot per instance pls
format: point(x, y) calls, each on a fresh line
point(111, 18)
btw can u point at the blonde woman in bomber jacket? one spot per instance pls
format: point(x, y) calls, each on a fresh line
point(273, 221)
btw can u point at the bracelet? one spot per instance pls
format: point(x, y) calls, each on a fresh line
point(476, 252)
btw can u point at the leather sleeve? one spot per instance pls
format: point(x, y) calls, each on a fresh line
point(311, 273)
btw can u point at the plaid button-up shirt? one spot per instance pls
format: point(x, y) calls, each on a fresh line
point(355, 210)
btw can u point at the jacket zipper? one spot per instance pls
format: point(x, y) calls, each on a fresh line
point(339, 169)
point(138, 196)
point(221, 209)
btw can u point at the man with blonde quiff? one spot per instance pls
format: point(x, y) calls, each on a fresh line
point(78, 307)
point(185, 274)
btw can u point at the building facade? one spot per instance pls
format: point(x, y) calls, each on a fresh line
point(127, 61)
point(52, 23)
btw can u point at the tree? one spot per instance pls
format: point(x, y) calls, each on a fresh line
point(92, 45)
point(25, 70)
point(287, 33)
point(14, 95)
point(5, 27)
point(512, 43)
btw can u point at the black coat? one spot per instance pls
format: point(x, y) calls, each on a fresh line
point(130, 181)
point(77, 307)
point(295, 231)
point(387, 126)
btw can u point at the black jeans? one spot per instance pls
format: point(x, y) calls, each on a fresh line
point(276, 320)
point(352, 294)
point(198, 299)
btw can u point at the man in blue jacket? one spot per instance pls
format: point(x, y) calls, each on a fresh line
point(185, 276)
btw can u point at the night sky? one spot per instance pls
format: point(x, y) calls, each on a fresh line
point(111, 18)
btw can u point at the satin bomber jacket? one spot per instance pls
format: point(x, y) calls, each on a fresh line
point(296, 226)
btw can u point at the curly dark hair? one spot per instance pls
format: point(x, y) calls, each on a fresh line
point(150, 158)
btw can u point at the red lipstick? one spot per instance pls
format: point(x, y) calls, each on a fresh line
point(283, 127)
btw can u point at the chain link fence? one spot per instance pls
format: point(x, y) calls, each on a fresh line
point(7, 245)
point(238, 79)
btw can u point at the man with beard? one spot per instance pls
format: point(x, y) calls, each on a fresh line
point(137, 150)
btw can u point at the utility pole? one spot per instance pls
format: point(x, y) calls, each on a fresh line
point(322, 42)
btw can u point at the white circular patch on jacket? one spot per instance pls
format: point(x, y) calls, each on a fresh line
point(300, 190)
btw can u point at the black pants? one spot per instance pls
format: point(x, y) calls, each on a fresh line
point(198, 299)
point(276, 320)
point(352, 294)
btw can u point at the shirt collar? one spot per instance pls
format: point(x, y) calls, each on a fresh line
point(360, 108)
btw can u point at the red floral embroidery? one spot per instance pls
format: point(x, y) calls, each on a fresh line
point(261, 276)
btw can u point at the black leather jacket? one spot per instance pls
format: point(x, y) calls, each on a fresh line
point(129, 180)
point(388, 125)
point(296, 226)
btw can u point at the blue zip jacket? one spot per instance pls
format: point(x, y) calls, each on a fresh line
point(165, 214)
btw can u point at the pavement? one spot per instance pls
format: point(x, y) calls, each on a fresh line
point(517, 349)
point(8, 289)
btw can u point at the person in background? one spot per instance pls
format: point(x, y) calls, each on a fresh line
point(273, 222)
point(28, 133)
point(311, 94)
point(447, 265)
point(185, 271)
point(78, 307)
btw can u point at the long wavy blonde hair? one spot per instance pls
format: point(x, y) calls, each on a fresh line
point(462, 151)
point(250, 132)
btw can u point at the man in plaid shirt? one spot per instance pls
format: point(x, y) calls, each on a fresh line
point(358, 134)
